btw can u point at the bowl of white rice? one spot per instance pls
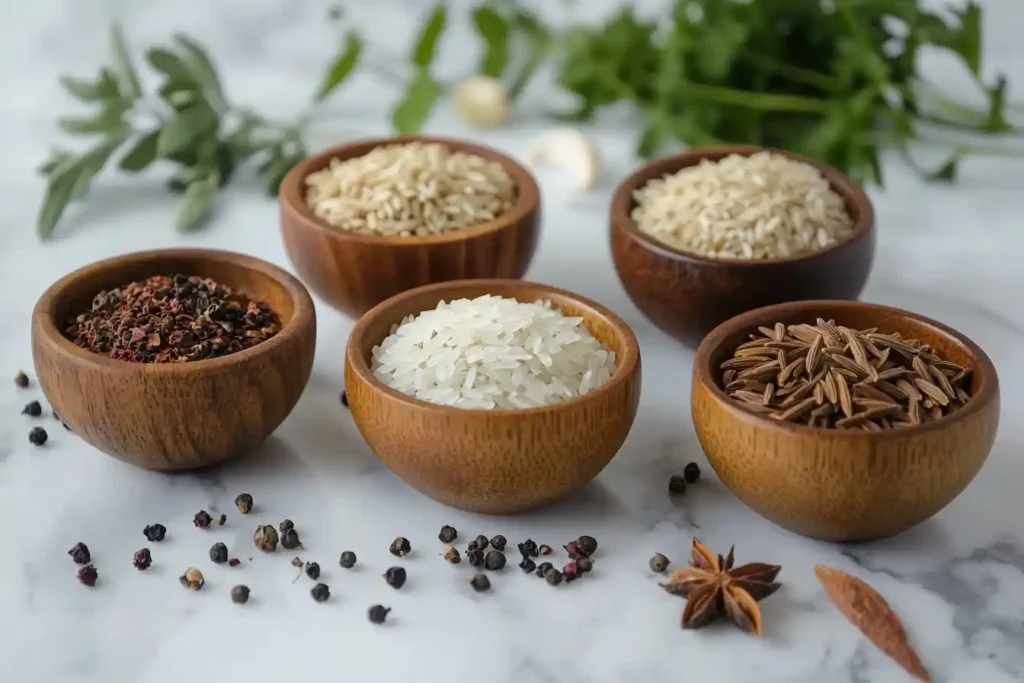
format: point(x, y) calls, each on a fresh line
point(368, 219)
point(493, 396)
point(705, 235)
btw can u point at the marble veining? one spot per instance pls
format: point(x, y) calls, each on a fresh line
point(949, 252)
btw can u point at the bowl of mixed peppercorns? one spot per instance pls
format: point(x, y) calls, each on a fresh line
point(174, 359)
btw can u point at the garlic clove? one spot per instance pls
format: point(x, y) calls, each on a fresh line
point(569, 149)
point(482, 101)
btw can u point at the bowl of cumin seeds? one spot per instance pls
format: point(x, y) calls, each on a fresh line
point(843, 421)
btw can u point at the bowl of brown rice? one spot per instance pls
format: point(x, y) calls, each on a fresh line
point(710, 233)
point(369, 219)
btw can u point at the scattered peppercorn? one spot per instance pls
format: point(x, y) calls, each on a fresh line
point(219, 553)
point(400, 547)
point(658, 563)
point(691, 473)
point(80, 553)
point(527, 565)
point(38, 436)
point(313, 570)
point(543, 568)
point(584, 564)
point(297, 562)
point(348, 559)
point(234, 562)
point(475, 557)
point(498, 542)
point(286, 526)
point(570, 572)
point(290, 540)
point(395, 577)
point(545, 550)
point(677, 485)
point(21, 380)
point(243, 501)
point(344, 399)
point(222, 520)
point(479, 543)
point(494, 560)
point(155, 532)
point(32, 409)
point(528, 548)
point(88, 575)
point(202, 520)
point(451, 554)
point(553, 577)
point(573, 548)
point(587, 545)
point(142, 559)
point(265, 538)
point(240, 595)
point(192, 579)
point(320, 592)
point(448, 535)
point(480, 583)
point(378, 614)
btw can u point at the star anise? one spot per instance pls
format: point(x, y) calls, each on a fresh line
point(715, 590)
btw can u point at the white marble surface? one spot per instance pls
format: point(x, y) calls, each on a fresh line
point(951, 253)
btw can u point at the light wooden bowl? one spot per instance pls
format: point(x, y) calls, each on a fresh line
point(354, 272)
point(842, 485)
point(687, 295)
point(493, 461)
point(175, 416)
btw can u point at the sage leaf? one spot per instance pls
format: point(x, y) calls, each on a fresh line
point(412, 112)
point(123, 70)
point(538, 44)
point(342, 66)
point(948, 171)
point(142, 153)
point(110, 120)
point(426, 44)
point(57, 159)
point(94, 161)
point(198, 63)
point(171, 65)
point(493, 28)
point(277, 168)
point(104, 88)
point(196, 203)
point(185, 128)
point(66, 178)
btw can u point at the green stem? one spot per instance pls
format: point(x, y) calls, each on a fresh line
point(794, 73)
point(756, 101)
point(890, 139)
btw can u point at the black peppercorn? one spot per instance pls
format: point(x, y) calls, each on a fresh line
point(479, 543)
point(677, 485)
point(244, 504)
point(219, 553)
point(395, 577)
point(88, 575)
point(320, 592)
point(202, 520)
point(587, 545)
point(494, 560)
point(142, 559)
point(80, 553)
point(286, 526)
point(658, 563)
point(348, 559)
point(584, 564)
point(344, 399)
point(451, 554)
point(691, 473)
point(32, 409)
point(155, 532)
point(222, 520)
point(475, 557)
point(528, 548)
point(297, 562)
point(545, 550)
point(290, 540)
point(527, 565)
point(498, 542)
point(378, 614)
point(265, 538)
point(543, 568)
point(313, 570)
point(400, 547)
point(240, 595)
point(480, 583)
point(448, 535)
point(21, 380)
point(553, 577)
point(38, 436)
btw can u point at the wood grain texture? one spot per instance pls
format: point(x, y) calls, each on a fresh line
point(181, 416)
point(836, 485)
point(687, 295)
point(493, 461)
point(354, 272)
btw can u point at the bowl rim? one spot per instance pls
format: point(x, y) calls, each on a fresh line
point(622, 200)
point(626, 362)
point(290, 193)
point(703, 374)
point(44, 312)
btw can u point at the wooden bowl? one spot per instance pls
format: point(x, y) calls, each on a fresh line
point(175, 416)
point(686, 294)
point(493, 461)
point(354, 272)
point(844, 485)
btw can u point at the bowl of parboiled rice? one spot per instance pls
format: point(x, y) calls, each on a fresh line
point(368, 219)
point(710, 233)
point(493, 396)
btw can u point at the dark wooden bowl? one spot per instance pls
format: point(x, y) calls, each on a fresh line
point(489, 460)
point(354, 272)
point(687, 295)
point(175, 416)
point(844, 485)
